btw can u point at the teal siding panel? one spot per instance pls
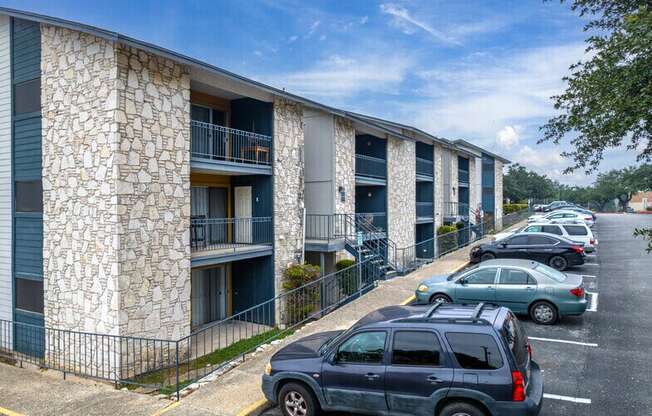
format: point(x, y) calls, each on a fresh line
point(27, 149)
point(28, 245)
point(26, 48)
point(29, 333)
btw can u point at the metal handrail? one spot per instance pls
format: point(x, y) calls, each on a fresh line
point(229, 233)
point(215, 142)
point(370, 166)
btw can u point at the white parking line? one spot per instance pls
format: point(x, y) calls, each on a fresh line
point(564, 341)
point(593, 302)
point(566, 398)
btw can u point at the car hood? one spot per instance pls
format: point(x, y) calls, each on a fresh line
point(440, 278)
point(306, 347)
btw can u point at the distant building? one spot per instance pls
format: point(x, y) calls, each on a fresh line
point(641, 201)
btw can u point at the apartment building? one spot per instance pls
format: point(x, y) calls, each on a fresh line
point(145, 193)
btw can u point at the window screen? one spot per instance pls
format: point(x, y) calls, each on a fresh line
point(576, 230)
point(475, 351)
point(27, 97)
point(416, 348)
point(29, 196)
point(29, 295)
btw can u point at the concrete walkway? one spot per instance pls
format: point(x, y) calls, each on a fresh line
point(239, 391)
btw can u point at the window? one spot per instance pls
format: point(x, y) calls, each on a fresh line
point(481, 277)
point(515, 277)
point(29, 295)
point(515, 339)
point(554, 274)
point(556, 216)
point(552, 229)
point(519, 240)
point(363, 348)
point(533, 229)
point(576, 230)
point(416, 348)
point(540, 240)
point(27, 97)
point(29, 196)
point(475, 351)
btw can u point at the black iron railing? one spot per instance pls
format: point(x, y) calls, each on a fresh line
point(424, 167)
point(375, 219)
point(229, 233)
point(324, 226)
point(370, 166)
point(215, 143)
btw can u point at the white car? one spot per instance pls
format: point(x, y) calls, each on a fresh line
point(563, 217)
point(577, 233)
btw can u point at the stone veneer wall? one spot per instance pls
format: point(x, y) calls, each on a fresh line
point(344, 165)
point(401, 190)
point(288, 186)
point(116, 188)
point(439, 185)
point(498, 193)
point(474, 199)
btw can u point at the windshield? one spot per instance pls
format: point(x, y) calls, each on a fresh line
point(461, 271)
point(554, 274)
point(326, 344)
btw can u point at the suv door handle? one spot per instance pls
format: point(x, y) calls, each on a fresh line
point(372, 376)
point(434, 380)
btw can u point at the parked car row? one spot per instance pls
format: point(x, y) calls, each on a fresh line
point(576, 233)
point(564, 217)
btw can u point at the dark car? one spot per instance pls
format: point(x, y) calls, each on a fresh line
point(441, 360)
point(549, 249)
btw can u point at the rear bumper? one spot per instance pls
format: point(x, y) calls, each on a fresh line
point(576, 260)
point(531, 406)
point(573, 307)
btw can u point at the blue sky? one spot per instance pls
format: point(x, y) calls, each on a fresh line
point(478, 70)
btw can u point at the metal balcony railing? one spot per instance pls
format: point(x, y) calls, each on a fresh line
point(214, 142)
point(229, 233)
point(324, 226)
point(456, 209)
point(425, 210)
point(463, 176)
point(376, 219)
point(370, 166)
point(424, 167)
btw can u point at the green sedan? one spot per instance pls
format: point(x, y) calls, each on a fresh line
point(524, 286)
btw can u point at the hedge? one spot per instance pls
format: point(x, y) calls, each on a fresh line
point(448, 240)
point(509, 208)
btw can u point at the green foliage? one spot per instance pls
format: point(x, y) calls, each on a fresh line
point(447, 239)
point(521, 184)
point(609, 95)
point(646, 234)
point(460, 225)
point(343, 264)
point(303, 298)
point(510, 208)
point(445, 229)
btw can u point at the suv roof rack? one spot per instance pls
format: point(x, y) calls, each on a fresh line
point(449, 320)
point(433, 308)
point(478, 309)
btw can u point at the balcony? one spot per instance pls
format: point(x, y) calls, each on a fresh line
point(425, 169)
point(220, 240)
point(375, 219)
point(425, 211)
point(220, 149)
point(463, 177)
point(454, 211)
point(370, 170)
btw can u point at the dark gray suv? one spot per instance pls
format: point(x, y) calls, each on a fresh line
point(442, 360)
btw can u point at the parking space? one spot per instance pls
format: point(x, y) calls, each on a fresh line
point(598, 363)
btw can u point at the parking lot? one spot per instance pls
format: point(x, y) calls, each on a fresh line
point(599, 363)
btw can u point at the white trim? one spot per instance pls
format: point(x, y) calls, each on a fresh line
point(563, 341)
point(567, 398)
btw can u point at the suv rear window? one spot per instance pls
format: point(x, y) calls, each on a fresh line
point(475, 351)
point(516, 340)
point(576, 230)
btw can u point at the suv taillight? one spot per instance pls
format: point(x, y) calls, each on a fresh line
point(588, 218)
point(578, 291)
point(577, 249)
point(518, 386)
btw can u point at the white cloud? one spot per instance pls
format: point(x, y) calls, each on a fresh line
point(364, 20)
point(313, 28)
point(537, 158)
point(345, 76)
point(403, 19)
point(293, 38)
point(508, 136)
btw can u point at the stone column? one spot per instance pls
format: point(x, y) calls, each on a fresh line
point(438, 186)
point(401, 191)
point(288, 187)
point(474, 200)
point(344, 165)
point(498, 193)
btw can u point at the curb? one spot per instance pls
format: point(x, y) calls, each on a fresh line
point(256, 408)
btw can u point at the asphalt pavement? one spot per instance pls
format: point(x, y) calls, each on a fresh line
point(601, 363)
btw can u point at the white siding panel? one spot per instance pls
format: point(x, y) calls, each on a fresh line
point(6, 298)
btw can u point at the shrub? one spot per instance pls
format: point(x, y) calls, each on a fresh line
point(448, 239)
point(459, 225)
point(343, 264)
point(300, 303)
point(510, 208)
point(348, 280)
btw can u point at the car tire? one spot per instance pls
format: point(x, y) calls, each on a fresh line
point(487, 256)
point(544, 313)
point(302, 399)
point(440, 297)
point(461, 408)
point(558, 262)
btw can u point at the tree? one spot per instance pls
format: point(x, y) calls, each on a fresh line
point(521, 184)
point(608, 100)
point(609, 96)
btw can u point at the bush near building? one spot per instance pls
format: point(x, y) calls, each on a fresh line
point(300, 303)
point(510, 208)
point(447, 238)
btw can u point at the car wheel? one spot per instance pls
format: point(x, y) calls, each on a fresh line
point(441, 298)
point(558, 262)
point(544, 313)
point(296, 400)
point(461, 409)
point(487, 256)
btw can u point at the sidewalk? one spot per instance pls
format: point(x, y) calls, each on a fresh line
point(239, 391)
